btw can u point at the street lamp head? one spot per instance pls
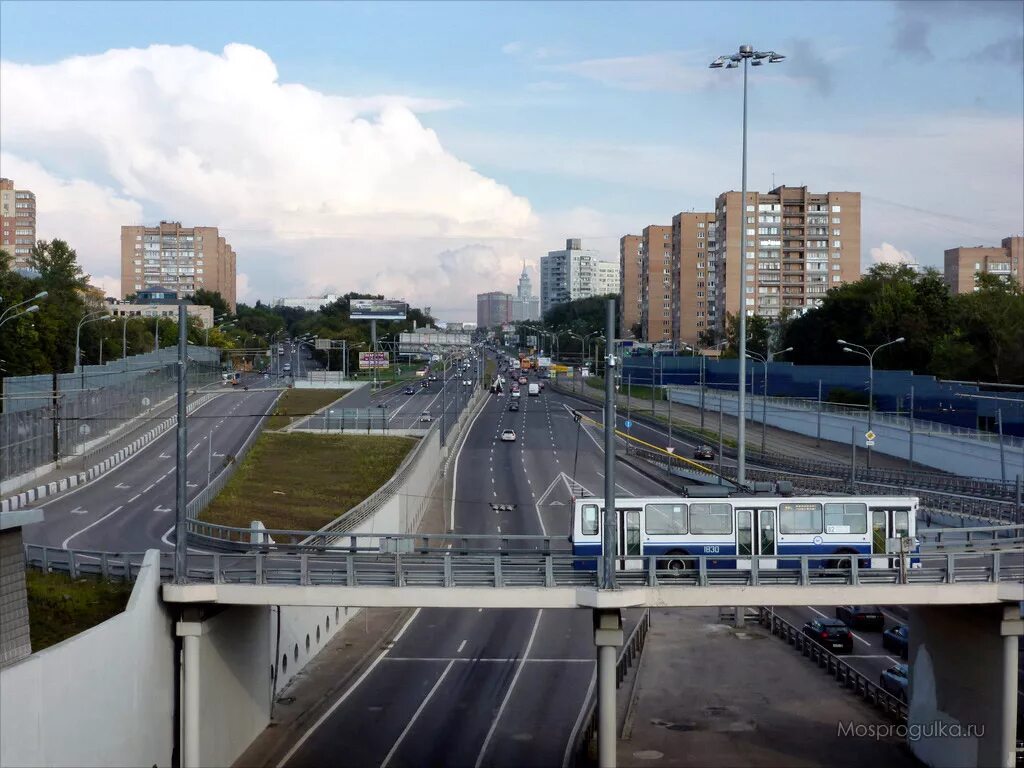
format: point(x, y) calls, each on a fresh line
point(787, 349)
point(746, 50)
point(41, 295)
point(30, 310)
point(775, 58)
point(847, 349)
point(899, 340)
point(840, 341)
point(756, 63)
point(732, 64)
point(717, 63)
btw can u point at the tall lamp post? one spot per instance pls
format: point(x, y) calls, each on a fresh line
point(764, 360)
point(746, 54)
point(89, 317)
point(4, 315)
point(34, 308)
point(869, 353)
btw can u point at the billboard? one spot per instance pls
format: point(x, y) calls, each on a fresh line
point(373, 360)
point(377, 309)
point(543, 362)
point(531, 341)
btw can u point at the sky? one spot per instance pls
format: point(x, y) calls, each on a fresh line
point(427, 151)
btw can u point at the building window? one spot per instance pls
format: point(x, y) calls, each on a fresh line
point(835, 233)
point(750, 208)
point(700, 225)
point(836, 209)
point(836, 278)
point(837, 244)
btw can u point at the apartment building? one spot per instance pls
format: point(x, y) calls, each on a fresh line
point(575, 273)
point(630, 283)
point(525, 306)
point(184, 259)
point(963, 264)
point(798, 245)
point(493, 309)
point(692, 305)
point(17, 223)
point(656, 283)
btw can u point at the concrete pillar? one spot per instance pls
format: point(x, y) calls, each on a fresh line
point(15, 641)
point(607, 637)
point(963, 684)
point(190, 632)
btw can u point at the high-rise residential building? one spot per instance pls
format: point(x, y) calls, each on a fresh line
point(963, 264)
point(525, 306)
point(630, 284)
point(17, 223)
point(798, 245)
point(656, 283)
point(573, 274)
point(693, 276)
point(493, 309)
point(184, 259)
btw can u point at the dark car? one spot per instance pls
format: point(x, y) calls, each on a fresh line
point(830, 634)
point(703, 452)
point(896, 639)
point(410, 391)
point(513, 406)
point(861, 617)
point(896, 680)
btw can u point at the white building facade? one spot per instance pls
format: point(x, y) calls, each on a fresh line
point(575, 273)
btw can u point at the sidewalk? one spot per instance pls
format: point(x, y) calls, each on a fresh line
point(711, 695)
point(777, 440)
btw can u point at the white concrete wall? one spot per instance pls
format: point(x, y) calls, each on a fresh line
point(950, 453)
point(101, 698)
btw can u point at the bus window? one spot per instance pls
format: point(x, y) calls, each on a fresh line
point(711, 518)
point(665, 518)
point(799, 518)
point(846, 518)
point(901, 523)
point(589, 519)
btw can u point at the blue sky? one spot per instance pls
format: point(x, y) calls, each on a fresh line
point(601, 116)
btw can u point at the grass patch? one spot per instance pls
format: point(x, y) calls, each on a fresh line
point(59, 608)
point(303, 481)
point(296, 403)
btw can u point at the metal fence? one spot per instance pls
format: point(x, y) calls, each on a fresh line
point(87, 408)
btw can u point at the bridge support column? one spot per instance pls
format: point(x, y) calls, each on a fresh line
point(607, 637)
point(190, 631)
point(963, 684)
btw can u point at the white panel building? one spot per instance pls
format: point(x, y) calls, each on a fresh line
point(575, 273)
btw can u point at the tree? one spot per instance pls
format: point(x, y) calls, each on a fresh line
point(212, 299)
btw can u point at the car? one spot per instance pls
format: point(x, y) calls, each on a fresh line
point(704, 452)
point(861, 617)
point(897, 639)
point(830, 634)
point(896, 680)
point(425, 416)
point(467, 382)
point(513, 406)
point(515, 393)
point(522, 379)
point(542, 385)
point(432, 377)
point(508, 436)
point(409, 391)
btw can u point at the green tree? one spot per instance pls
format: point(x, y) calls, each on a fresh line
point(212, 299)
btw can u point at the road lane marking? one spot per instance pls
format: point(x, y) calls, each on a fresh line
point(64, 545)
point(461, 646)
point(150, 488)
point(79, 511)
point(508, 693)
point(346, 694)
point(133, 498)
point(417, 713)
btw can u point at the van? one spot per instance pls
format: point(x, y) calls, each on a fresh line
point(534, 390)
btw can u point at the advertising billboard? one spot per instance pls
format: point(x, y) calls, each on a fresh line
point(543, 362)
point(377, 309)
point(373, 360)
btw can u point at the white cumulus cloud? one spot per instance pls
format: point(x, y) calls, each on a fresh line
point(887, 253)
point(310, 188)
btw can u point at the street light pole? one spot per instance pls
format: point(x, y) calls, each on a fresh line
point(869, 353)
point(746, 54)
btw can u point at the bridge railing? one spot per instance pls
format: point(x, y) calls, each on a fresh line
point(109, 566)
point(844, 674)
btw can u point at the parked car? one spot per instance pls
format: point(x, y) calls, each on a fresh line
point(861, 617)
point(508, 436)
point(425, 416)
point(513, 406)
point(896, 639)
point(831, 634)
point(410, 391)
point(703, 452)
point(896, 680)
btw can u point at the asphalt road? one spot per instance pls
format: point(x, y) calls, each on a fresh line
point(473, 687)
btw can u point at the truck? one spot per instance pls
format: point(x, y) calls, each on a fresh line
point(534, 389)
point(525, 363)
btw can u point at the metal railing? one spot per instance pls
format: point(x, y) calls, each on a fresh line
point(109, 566)
point(843, 673)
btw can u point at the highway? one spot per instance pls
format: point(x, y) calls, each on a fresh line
point(470, 687)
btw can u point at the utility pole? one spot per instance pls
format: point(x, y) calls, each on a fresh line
point(181, 463)
point(56, 418)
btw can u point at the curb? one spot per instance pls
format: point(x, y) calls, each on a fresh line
point(54, 487)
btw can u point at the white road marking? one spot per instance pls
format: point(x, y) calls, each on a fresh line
point(79, 511)
point(133, 498)
point(416, 714)
point(508, 693)
point(461, 646)
point(345, 695)
point(150, 488)
point(64, 544)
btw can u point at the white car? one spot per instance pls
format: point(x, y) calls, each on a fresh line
point(515, 393)
point(425, 416)
point(508, 436)
point(467, 383)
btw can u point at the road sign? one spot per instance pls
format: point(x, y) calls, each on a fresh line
point(627, 424)
point(671, 449)
point(869, 438)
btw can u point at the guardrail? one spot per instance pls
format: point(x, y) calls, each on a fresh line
point(844, 674)
point(109, 566)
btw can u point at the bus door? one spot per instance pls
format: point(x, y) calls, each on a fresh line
point(629, 546)
point(756, 535)
point(887, 523)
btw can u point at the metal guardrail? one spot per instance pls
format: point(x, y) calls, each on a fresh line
point(632, 649)
point(843, 673)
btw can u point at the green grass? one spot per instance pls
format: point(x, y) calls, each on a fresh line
point(295, 403)
point(303, 481)
point(59, 608)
